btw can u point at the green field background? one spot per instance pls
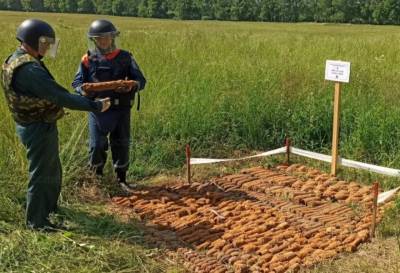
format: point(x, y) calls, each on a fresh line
point(224, 87)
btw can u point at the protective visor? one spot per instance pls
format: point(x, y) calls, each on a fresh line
point(104, 34)
point(48, 46)
point(103, 44)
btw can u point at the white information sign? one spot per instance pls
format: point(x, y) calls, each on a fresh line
point(337, 71)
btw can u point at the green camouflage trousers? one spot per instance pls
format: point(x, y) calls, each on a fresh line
point(41, 142)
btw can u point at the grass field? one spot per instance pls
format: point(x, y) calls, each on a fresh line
point(224, 88)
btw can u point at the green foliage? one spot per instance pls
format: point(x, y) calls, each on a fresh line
point(244, 87)
point(68, 6)
point(85, 6)
point(156, 8)
point(32, 5)
point(142, 8)
point(102, 7)
point(345, 11)
point(13, 4)
point(223, 87)
point(51, 5)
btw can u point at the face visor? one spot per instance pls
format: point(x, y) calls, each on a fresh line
point(48, 46)
point(104, 43)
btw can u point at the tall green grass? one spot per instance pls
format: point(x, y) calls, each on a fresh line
point(221, 87)
point(229, 86)
point(225, 86)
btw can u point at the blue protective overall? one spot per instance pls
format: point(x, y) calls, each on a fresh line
point(111, 127)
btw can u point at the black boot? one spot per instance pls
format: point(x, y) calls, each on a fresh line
point(121, 180)
point(99, 171)
point(121, 177)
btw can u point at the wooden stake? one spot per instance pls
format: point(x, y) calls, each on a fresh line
point(375, 191)
point(287, 144)
point(188, 163)
point(335, 135)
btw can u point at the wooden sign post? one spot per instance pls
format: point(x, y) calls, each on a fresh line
point(335, 129)
point(338, 72)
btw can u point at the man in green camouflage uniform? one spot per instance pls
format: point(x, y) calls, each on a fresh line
point(36, 102)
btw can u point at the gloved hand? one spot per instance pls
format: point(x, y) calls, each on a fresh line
point(87, 94)
point(106, 102)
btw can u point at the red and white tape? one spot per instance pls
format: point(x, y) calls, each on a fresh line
point(382, 197)
point(197, 161)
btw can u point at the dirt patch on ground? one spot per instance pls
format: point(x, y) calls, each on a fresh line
point(260, 220)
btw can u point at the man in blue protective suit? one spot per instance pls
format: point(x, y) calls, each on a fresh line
point(105, 62)
point(36, 102)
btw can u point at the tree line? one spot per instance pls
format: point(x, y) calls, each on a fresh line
point(341, 11)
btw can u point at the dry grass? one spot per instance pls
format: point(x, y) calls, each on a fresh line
point(379, 256)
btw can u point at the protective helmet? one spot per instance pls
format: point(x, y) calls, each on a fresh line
point(39, 35)
point(102, 36)
point(102, 27)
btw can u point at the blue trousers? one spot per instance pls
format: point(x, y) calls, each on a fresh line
point(109, 128)
point(41, 142)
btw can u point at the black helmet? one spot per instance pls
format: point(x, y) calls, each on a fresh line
point(101, 27)
point(31, 30)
